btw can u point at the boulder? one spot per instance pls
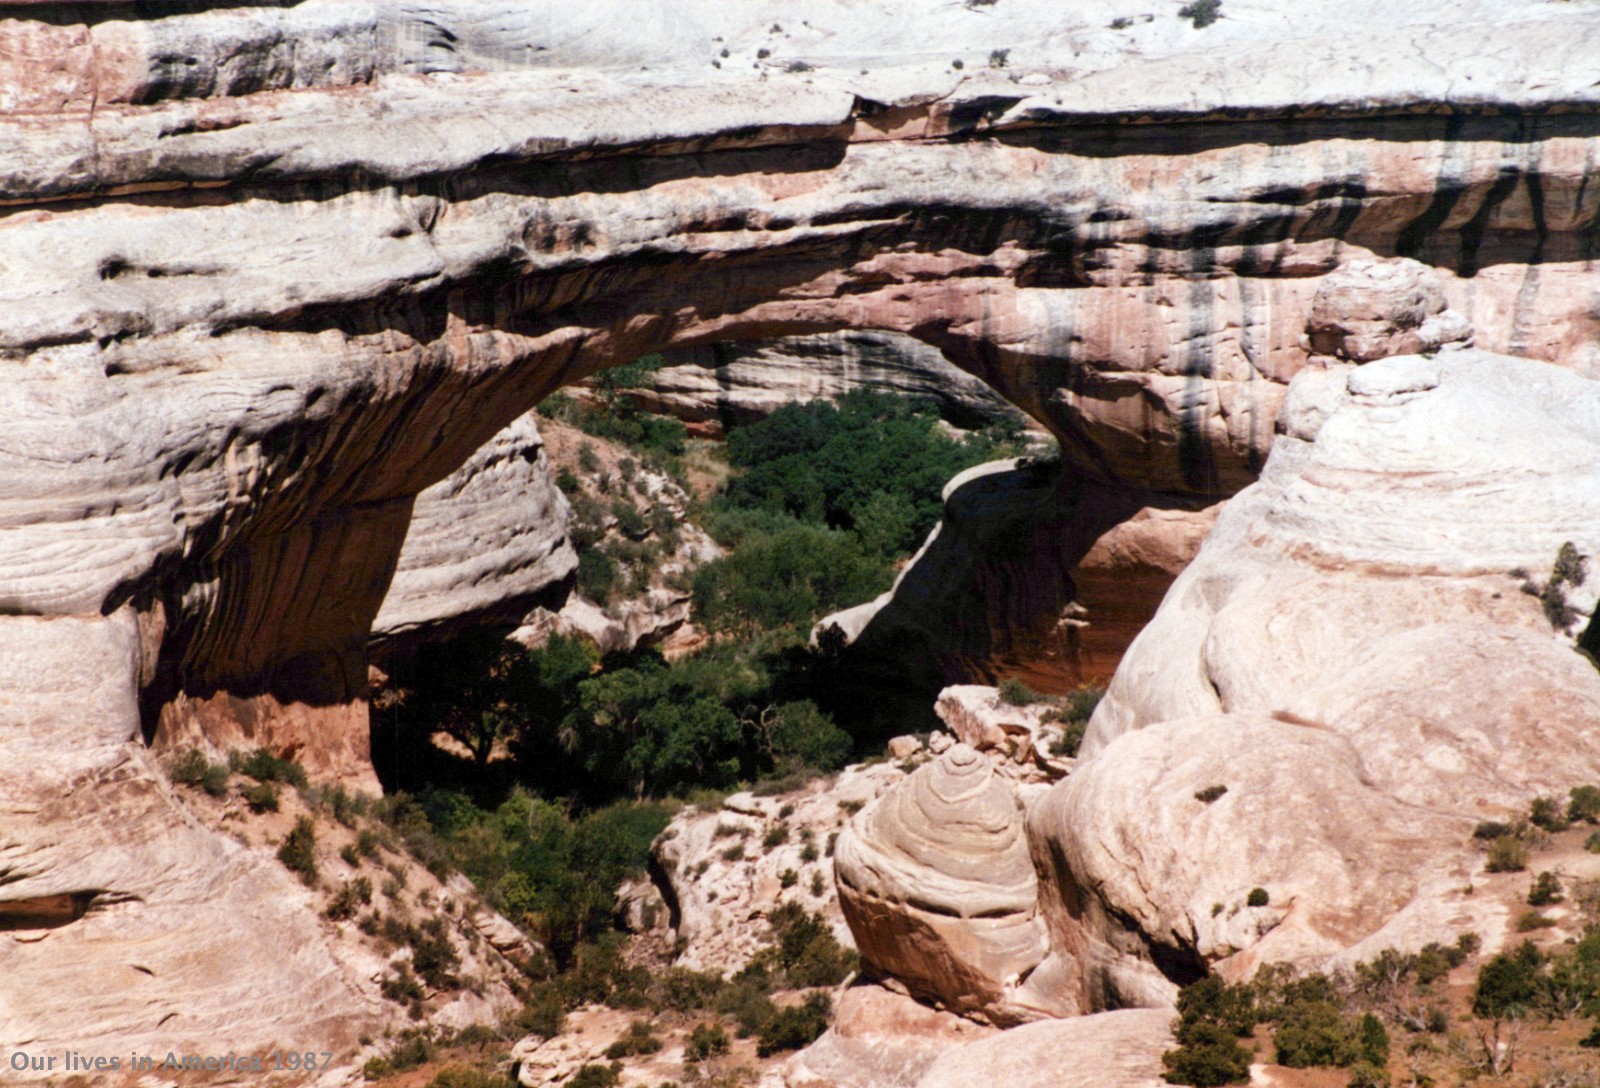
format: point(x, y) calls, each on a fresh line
point(937, 886)
point(1107, 1050)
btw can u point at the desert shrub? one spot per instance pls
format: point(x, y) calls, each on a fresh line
point(683, 990)
point(806, 951)
point(1257, 898)
point(1531, 920)
point(595, 1076)
point(1210, 794)
point(1372, 1040)
point(366, 844)
point(1584, 804)
point(191, 768)
point(1508, 985)
point(1014, 692)
point(1546, 889)
point(795, 1027)
point(598, 575)
point(706, 1041)
point(1202, 13)
point(413, 1050)
point(1314, 1032)
point(788, 878)
point(261, 797)
point(352, 895)
point(733, 853)
point(1212, 1016)
point(776, 835)
point(817, 886)
point(1365, 1074)
point(1489, 830)
point(640, 1038)
point(461, 1076)
point(263, 766)
point(544, 1013)
point(297, 852)
point(1507, 854)
point(1548, 813)
point(433, 956)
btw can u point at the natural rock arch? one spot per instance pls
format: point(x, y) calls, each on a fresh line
point(270, 274)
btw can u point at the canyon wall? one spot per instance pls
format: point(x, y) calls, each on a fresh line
point(269, 273)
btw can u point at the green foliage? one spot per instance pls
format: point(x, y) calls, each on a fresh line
point(1546, 889)
point(351, 896)
point(544, 1013)
point(786, 578)
point(1073, 710)
point(412, 1051)
point(1257, 898)
point(1508, 984)
point(1507, 854)
point(1548, 813)
point(806, 951)
point(261, 797)
point(1014, 692)
point(1366, 1074)
point(707, 1040)
point(873, 463)
point(1372, 1040)
point(1312, 1028)
point(297, 853)
point(640, 1038)
point(1212, 1016)
point(461, 1076)
point(263, 766)
point(1584, 804)
point(1531, 920)
point(795, 1027)
point(191, 768)
point(598, 575)
point(595, 1076)
point(1202, 13)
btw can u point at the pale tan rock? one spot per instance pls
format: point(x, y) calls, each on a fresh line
point(904, 747)
point(936, 884)
point(484, 543)
point(722, 882)
point(1107, 1050)
point(1377, 552)
point(1018, 738)
point(878, 1039)
point(255, 304)
point(1374, 309)
point(716, 385)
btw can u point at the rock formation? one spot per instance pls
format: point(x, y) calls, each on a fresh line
point(937, 885)
point(715, 385)
point(1017, 739)
point(721, 879)
point(271, 272)
point(1107, 1050)
point(1033, 572)
point(484, 545)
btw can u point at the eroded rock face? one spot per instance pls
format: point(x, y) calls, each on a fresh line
point(1374, 309)
point(716, 385)
point(879, 1039)
point(936, 883)
point(1108, 1050)
point(270, 273)
point(1032, 572)
point(1351, 656)
point(484, 545)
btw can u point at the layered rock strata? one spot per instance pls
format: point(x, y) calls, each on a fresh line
point(938, 888)
point(723, 384)
point(271, 272)
point(485, 544)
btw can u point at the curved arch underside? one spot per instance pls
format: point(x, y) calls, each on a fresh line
point(251, 316)
point(267, 272)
